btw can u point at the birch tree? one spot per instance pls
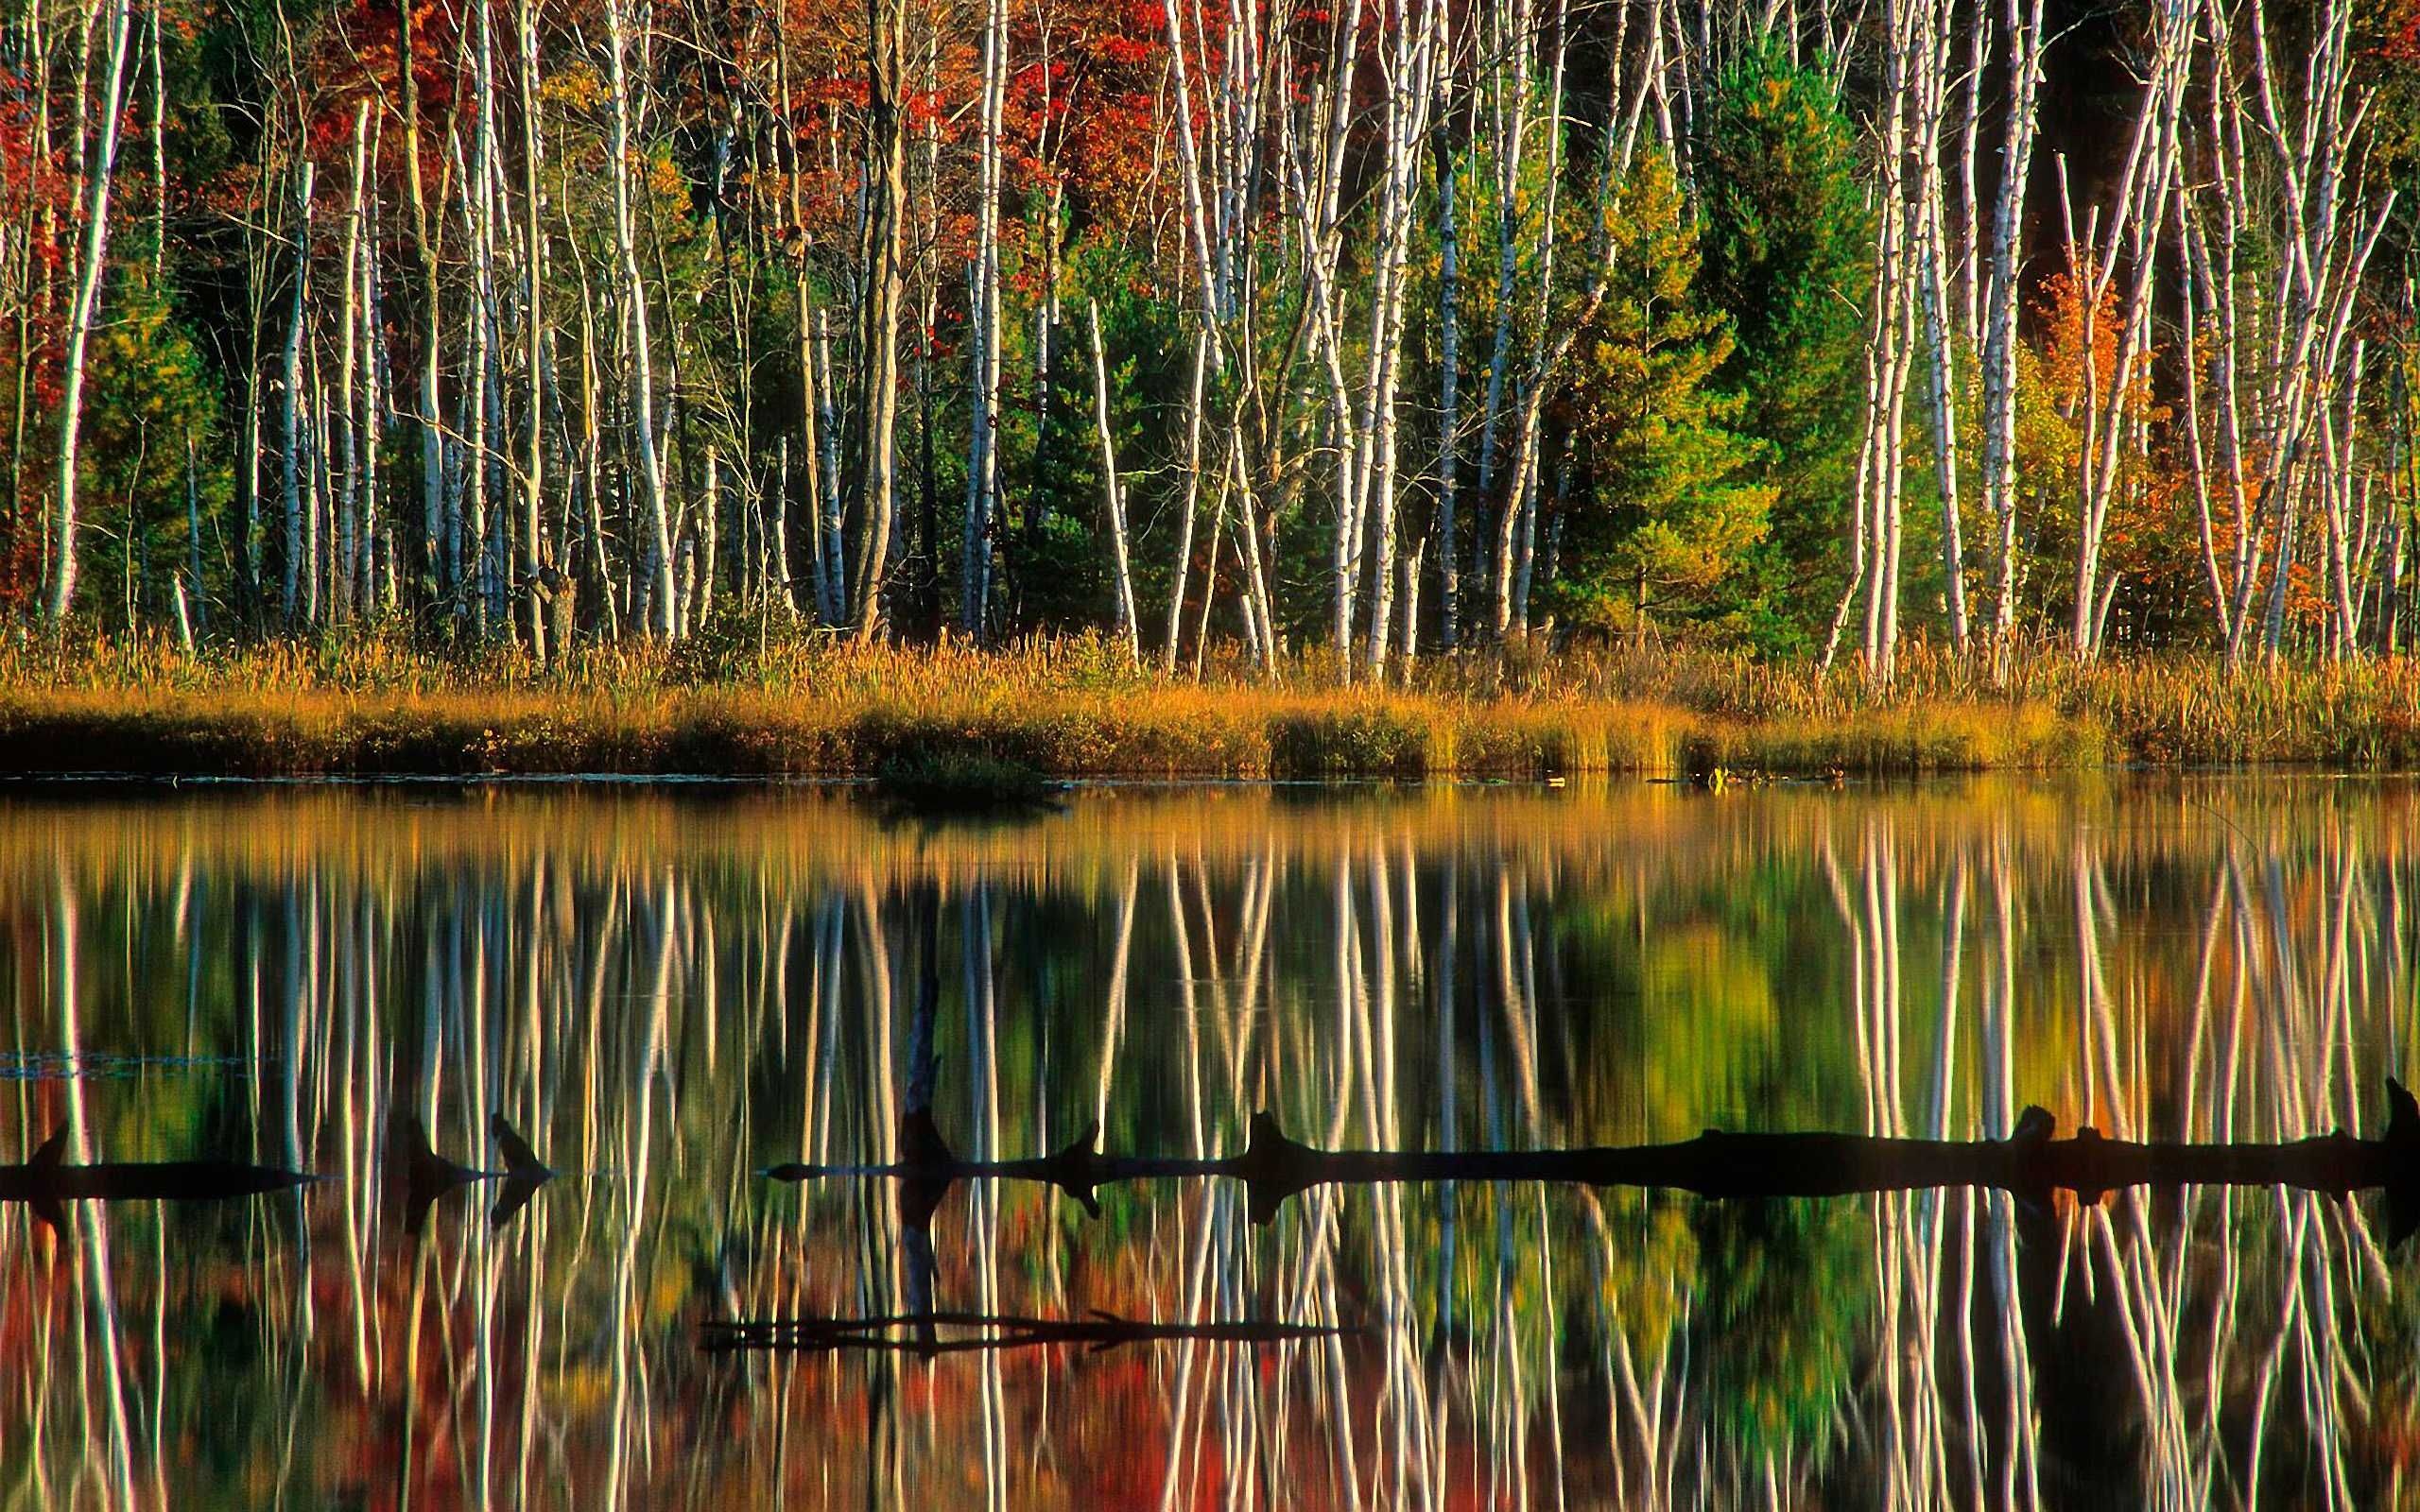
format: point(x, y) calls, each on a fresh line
point(2002, 293)
point(84, 307)
point(662, 607)
point(877, 404)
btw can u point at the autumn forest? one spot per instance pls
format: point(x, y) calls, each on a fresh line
point(1803, 329)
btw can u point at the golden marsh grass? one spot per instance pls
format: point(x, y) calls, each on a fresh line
point(809, 706)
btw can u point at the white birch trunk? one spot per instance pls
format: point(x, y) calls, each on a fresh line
point(291, 418)
point(1113, 495)
point(1449, 320)
point(661, 594)
point(2002, 295)
point(982, 447)
point(84, 308)
point(534, 559)
point(349, 446)
point(1192, 491)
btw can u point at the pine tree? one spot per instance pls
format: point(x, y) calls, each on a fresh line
point(1786, 237)
point(1669, 511)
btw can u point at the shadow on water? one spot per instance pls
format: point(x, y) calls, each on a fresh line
point(949, 785)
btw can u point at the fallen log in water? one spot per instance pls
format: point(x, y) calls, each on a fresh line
point(423, 1175)
point(46, 1181)
point(2029, 1163)
point(991, 1331)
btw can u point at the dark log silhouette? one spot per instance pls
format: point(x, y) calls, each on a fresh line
point(2029, 1163)
point(46, 1181)
point(425, 1176)
point(1101, 1330)
point(927, 1168)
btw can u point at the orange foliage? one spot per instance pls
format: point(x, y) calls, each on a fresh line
point(2076, 330)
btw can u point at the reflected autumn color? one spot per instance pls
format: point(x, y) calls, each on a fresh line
point(673, 992)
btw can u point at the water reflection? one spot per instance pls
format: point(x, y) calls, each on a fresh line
point(421, 1175)
point(2029, 1164)
point(670, 994)
point(46, 1181)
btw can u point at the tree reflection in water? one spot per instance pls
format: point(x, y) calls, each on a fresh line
point(670, 993)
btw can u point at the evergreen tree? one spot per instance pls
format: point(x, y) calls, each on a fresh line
point(152, 458)
point(1787, 241)
point(1669, 511)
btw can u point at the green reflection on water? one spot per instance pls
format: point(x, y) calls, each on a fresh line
point(669, 990)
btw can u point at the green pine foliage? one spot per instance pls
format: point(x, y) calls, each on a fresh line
point(1787, 240)
point(1665, 510)
point(150, 450)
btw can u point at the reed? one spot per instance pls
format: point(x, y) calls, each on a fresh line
point(812, 706)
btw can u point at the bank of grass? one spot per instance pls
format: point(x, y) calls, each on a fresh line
point(815, 707)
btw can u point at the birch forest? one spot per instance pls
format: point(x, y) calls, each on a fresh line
point(1255, 327)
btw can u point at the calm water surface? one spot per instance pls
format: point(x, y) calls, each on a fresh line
point(669, 990)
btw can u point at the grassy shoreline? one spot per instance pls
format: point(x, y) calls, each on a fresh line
point(1073, 707)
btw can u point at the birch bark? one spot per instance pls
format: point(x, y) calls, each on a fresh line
point(84, 308)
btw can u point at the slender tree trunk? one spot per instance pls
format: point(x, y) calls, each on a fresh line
point(294, 445)
point(534, 559)
point(2134, 232)
point(84, 309)
point(2002, 293)
point(1548, 347)
point(368, 426)
point(2336, 453)
point(1113, 494)
point(1931, 192)
point(349, 448)
point(886, 187)
point(437, 579)
point(192, 536)
point(1206, 279)
point(1408, 97)
point(663, 609)
point(983, 418)
point(833, 552)
point(1896, 302)
point(1449, 322)
point(1509, 116)
point(1192, 491)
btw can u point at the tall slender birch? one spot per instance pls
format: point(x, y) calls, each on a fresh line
point(2133, 237)
point(533, 352)
point(2019, 129)
point(1192, 491)
point(1449, 337)
point(880, 249)
point(1113, 495)
point(350, 446)
point(432, 425)
point(84, 306)
point(1408, 97)
point(1935, 256)
point(294, 442)
point(983, 418)
point(661, 601)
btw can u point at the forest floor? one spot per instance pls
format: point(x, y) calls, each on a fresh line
point(809, 706)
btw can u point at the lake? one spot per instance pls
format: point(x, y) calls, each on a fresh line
point(670, 990)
